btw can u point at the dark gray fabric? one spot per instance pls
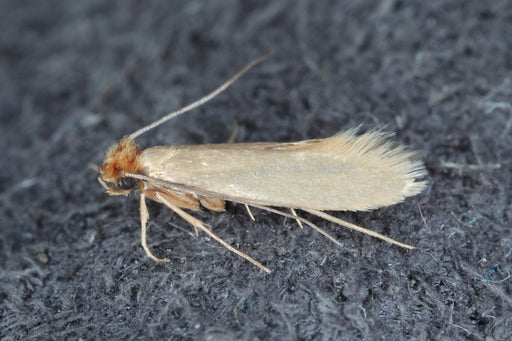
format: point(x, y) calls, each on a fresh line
point(76, 76)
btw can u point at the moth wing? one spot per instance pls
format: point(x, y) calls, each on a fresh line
point(343, 172)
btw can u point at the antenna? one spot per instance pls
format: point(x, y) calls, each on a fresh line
point(206, 98)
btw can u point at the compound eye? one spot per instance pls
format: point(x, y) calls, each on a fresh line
point(126, 183)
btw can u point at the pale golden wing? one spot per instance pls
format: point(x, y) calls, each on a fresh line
point(343, 172)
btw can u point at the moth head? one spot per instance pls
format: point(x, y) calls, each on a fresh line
point(121, 160)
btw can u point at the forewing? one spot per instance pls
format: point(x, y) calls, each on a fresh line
point(343, 172)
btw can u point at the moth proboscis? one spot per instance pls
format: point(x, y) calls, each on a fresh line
point(345, 172)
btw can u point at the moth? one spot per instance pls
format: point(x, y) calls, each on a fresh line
point(345, 172)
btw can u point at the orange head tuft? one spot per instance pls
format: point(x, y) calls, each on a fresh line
point(121, 158)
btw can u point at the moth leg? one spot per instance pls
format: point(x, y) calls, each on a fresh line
point(203, 226)
point(213, 204)
point(249, 211)
point(181, 200)
point(305, 221)
point(357, 228)
point(298, 221)
point(144, 216)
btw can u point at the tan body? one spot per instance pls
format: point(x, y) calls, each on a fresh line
point(343, 172)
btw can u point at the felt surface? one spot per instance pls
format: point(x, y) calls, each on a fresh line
point(77, 76)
